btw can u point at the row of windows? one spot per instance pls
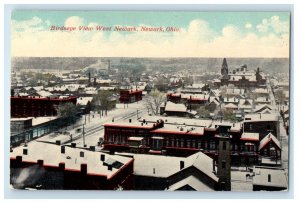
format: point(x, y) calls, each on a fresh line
point(187, 143)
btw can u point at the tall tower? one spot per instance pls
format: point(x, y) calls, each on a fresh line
point(224, 161)
point(108, 68)
point(224, 69)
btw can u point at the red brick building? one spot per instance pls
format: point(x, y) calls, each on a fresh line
point(35, 106)
point(130, 95)
point(180, 138)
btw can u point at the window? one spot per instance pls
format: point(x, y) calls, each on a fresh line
point(212, 144)
point(223, 164)
point(224, 145)
point(193, 143)
point(188, 143)
point(182, 143)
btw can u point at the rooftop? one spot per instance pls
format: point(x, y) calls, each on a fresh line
point(52, 156)
point(272, 177)
point(165, 166)
point(260, 117)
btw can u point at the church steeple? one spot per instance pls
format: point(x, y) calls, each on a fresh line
point(224, 69)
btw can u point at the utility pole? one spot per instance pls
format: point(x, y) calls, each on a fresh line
point(83, 135)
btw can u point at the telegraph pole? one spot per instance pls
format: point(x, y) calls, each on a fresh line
point(83, 135)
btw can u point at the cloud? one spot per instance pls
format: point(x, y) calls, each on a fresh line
point(273, 24)
point(197, 39)
point(248, 25)
point(74, 21)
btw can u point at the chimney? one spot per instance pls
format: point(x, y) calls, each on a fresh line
point(73, 145)
point(81, 154)
point(102, 157)
point(61, 166)
point(181, 165)
point(25, 151)
point(214, 166)
point(269, 178)
point(40, 162)
point(83, 168)
point(109, 167)
point(62, 149)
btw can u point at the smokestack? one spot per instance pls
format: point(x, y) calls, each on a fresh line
point(25, 151)
point(81, 154)
point(62, 149)
point(83, 168)
point(92, 148)
point(102, 157)
point(40, 162)
point(181, 165)
point(61, 166)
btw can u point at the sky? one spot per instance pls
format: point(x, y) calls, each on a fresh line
point(201, 34)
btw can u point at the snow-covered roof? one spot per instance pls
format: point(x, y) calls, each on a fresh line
point(52, 156)
point(269, 137)
point(38, 88)
point(277, 177)
point(231, 106)
point(250, 136)
point(192, 182)
point(186, 130)
point(170, 106)
point(262, 100)
point(262, 107)
point(83, 101)
point(261, 91)
point(179, 121)
point(44, 93)
point(41, 120)
point(165, 166)
point(260, 117)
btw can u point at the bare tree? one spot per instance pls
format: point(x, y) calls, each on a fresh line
point(103, 102)
point(67, 111)
point(154, 100)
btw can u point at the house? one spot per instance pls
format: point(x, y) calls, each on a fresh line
point(173, 109)
point(130, 95)
point(262, 124)
point(269, 179)
point(270, 146)
point(53, 166)
point(196, 172)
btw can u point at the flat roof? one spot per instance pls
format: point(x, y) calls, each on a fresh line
point(260, 117)
point(250, 136)
point(52, 156)
point(179, 121)
point(278, 177)
point(181, 129)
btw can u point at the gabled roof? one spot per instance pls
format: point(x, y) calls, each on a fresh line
point(190, 182)
point(170, 106)
point(267, 139)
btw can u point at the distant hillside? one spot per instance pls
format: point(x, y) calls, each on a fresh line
point(268, 65)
